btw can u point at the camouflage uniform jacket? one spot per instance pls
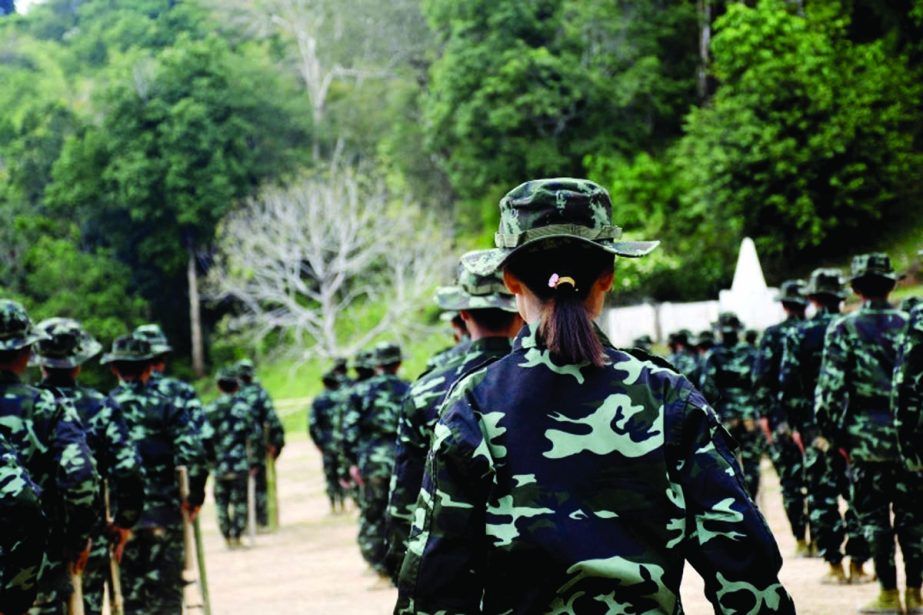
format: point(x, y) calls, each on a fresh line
point(419, 413)
point(907, 399)
point(237, 441)
point(267, 420)
point(447, 355)
point(561, 488)
point(853, 396)
point(185, 396)
point(685, 363)
point(726, 381)
point(803, 348)
point(322, 420)
point(47, 434)
point(767, 368)
point(116, 455)
point(21, 552)
point(370, 426)
point(166, 438)
point(348, 403)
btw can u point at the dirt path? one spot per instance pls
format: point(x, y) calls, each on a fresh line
point(312, 565)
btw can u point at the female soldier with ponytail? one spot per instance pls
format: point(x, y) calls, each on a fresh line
point(569, 476)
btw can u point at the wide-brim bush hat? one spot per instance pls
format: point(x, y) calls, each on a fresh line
point(16, 329)
point(547, 209)
point(873, 265)
point(476, 292)
point(792, 291)
point(155, 337)
point(128, 349)
point(728, 322)
point(826, 281)
point(387, 353)
point(66, 346)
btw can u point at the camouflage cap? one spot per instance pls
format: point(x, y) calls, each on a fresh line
point(16, 330)
point(228, 373)
point(728, 322)
point(67, 344)
point(792, 291)
point(128, 348)
point(476, 292)
point(559, 208)
point(645, 342)
point(875, 264)
point(155, 337)
point(705, 338)
point(364, 359)
point(387, 353)
point(245, 368)
point(826, 282)
point(682, 336)
point(910, 302)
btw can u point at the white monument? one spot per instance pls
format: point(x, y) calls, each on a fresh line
point(753, 302)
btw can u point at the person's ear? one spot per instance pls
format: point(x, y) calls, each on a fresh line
point(605, 281)
point(513, 284)
point(465, 315)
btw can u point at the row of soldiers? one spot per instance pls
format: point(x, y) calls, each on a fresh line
point(835, 398)
point(87, 478)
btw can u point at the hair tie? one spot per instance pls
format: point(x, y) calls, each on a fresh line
point(556, 280)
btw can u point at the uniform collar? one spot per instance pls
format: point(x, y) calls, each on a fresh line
point(528, 338)
point(491, 344)
point(876, 304)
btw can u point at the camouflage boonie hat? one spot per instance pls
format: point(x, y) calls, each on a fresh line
point(875, 264)
point(66, 346)
point(559, 208)
point(155, 337)
point(128, 348)
point(364, 359)
point(705, 337)
point(826, 282)
point(682, 336)
point(476, 292)
point(16, 330)
point(340, 365)
point(909, 303)
point(792, 291)
point(387, 353)
point(728, 322)
point(227, 373)
point(245, 368)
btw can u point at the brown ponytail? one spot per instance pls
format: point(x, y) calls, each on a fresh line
point(561, 277)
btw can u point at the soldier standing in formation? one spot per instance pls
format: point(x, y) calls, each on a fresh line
point(273, 435)
point(44, 429)
point(323, 425)
point(60, 355)
point(726, 382)
point(784, 448)
point(489, 312)
point(854, 414)
point(460, 333)
point(682, 353)
point(907, 396)
point(237, 444)
point(561, 478)
point(166, 438)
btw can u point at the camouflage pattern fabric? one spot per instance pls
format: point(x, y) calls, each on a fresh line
point(784, 452)
point(184, 396)
point(907, 399)
point(21, 552)
point(166, 438)
point(323, 428)
point(119, 464)
point(560, 488)
point(370, 436)
point(49, 439)
point(237, 442)
point(685, 362)
point(272, 433)
point(445, 356)
point(419, 413)
point(853, 404)
point(825, 473)
point(726, 383)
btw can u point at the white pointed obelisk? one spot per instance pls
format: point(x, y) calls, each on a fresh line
point(749, 297)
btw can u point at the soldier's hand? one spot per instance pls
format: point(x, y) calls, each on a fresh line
point(345, 484)
point(254, 471)
point(119, 537)
point(191, 511)
point(356, 475)
point(764, 426)
point(749, 424)
point(821, 443)
point(79, 562)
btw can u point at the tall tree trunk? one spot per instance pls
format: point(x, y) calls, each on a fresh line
point(704, 10)
point(195, 314)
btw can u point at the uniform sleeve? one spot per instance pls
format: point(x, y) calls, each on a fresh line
point(728, 541)
point(443, 569)
point(831, 395)
point(124, 471)
point(907, 393)
point(314, 416)
point(274, 430)
point(76, 477)
point(793, 398)
point(766, 377)
point(352, 416)
point(188, 451)
point(708, 379)
point(23, 549)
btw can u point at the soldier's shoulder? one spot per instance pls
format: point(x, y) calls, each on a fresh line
point(648, 357)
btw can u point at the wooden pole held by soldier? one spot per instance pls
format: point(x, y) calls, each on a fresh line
point(192, 597)
point(273, 493)
point(251, 508)
point(75, 600)
point(116, 600)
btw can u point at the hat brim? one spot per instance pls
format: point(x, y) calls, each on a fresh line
point(455, 299)
point(114, 357)
point(894, 277)
point(487, 262)
point(157, 349)
point(15, 343)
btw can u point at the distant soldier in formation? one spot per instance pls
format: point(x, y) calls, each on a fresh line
point(237, 444)
point(726, 384)
point(752, 337)
point(66, 347)
point(784, 444)
point(682, 353)
point(166, 438)
point(854, 413)
point(704, 342)
point(323, 425)
point(825, 469)
point(21, 551)
point(270, 427)
point(907, 396)
point(45, 430)
point(461, 342)
point(370, 438)
point(489, 312)
point(562, 478)
point(645, 343)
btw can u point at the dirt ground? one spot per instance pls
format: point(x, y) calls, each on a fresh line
point(312, 564)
